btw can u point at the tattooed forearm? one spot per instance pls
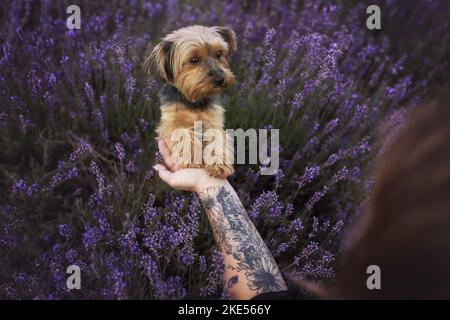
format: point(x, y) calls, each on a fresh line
point(232, 281)
point(242, 246)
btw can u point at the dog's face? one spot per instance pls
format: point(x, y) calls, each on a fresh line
point(195, 60)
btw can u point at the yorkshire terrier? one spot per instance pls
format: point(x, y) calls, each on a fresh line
point(193, 64)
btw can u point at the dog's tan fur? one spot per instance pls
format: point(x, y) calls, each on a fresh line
point(171, 62)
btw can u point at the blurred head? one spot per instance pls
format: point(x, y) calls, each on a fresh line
point(194, 60)
point(406, 231)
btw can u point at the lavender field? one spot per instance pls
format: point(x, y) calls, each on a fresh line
point(77, 120)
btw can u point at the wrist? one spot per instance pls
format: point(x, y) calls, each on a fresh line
point(208, 181)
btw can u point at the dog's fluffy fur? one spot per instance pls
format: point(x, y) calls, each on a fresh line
point(193, 64)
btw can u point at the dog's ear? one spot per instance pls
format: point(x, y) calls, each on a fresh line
point(229, 37)
point(159, 61)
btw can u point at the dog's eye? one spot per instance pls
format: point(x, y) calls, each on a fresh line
point(219, 54)
point(195, 60)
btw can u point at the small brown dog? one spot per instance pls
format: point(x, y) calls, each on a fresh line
point(193, 64)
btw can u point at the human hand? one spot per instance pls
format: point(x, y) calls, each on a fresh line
point(188, 179)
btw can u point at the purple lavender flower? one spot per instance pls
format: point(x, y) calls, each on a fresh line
point(269, 200)
point(65, 231)
point(89, 92)
point(309, 250)
point(316, 197)
point(63, 172)
point(279, 178)
point(21, 187)
point(332, 159)
point(214, 278)
point(90, 236)
point(297, 224)
point(341, 175)
point(24, 124)
point(149, 211)
point(309, 175)
point(331, 125)
point(102, 187)
point(119, 151)
point(398, 92)
point(82, 148)
point(143, 124)
point(296, 103)
point(131, 167)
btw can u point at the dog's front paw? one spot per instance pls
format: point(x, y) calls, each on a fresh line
point(220, 171)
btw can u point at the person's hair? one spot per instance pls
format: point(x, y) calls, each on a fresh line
point(406, 229)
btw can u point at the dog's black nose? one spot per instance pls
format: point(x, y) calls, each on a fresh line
point(219, 81)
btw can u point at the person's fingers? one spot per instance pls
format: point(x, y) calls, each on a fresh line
point(164, 173)
point(165, 153)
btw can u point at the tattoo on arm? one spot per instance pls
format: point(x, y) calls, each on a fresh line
point(232, 281)
point(237, 236)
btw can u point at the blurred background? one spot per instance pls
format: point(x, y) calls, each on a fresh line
point(77, 120)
